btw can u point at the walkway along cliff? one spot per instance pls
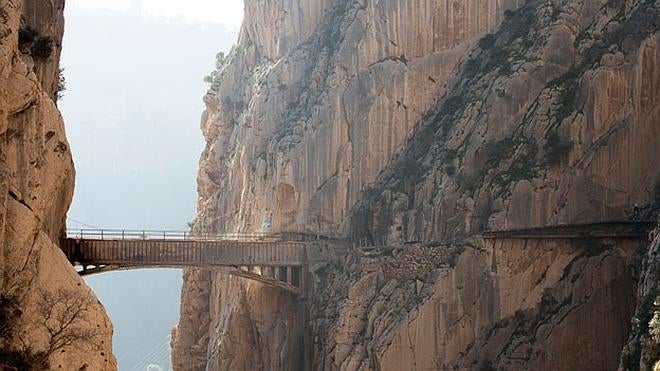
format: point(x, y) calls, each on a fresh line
point(412, 127)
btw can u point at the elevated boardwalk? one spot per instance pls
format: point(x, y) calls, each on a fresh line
point(275, 259)
point(616, 230)
point(278, 260)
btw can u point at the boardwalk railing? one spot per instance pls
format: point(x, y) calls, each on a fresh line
point(151, 234)
point(616, 229)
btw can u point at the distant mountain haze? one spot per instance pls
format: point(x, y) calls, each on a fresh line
point(134, 81)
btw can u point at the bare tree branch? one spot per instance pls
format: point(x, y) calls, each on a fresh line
point(64, 314)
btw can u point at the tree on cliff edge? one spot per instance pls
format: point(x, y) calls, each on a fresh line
point(62, 315)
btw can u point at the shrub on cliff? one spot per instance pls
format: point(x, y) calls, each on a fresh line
point(10, 358)
point(9, 313)
point(213, 78)
point(42, 47)
point(61, 85)
point(26, 36)
point(487, 365)
point(487, 41)
point(39, 46)
point(556, 147)
point(62, 315)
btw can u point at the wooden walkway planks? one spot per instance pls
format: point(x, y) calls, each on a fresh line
point(184, 253)
point(258, 261)
point(618, 229)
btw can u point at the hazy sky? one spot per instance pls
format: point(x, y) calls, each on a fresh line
point(132, 109)
point(227, 12)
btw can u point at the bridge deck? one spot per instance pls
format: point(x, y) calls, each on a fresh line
point(183, 253)
point(267, 259)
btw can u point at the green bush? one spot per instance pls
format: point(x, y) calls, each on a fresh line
point(520, 24)
point(12, 359)
point(523, 168)
point(487, 365)
point(26, 36)
point(567, 102)
point(25, 360)
point(410, 170)
point(450, 154)
point(213, 79)
point(453, 104)
point(616, 4)
point(42, 47)
point(61, 85)
point(9, 313)
point(499, 58)
point(656, 202)
point(467, 182)
point(487, 41)
point(29, 40)
point(496, 151)
point(471, 69)
point(556, 147)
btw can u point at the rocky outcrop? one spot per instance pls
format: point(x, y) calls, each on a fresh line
point(49, 315)
point(506, 305)
point(406, 122)
point(642, 352)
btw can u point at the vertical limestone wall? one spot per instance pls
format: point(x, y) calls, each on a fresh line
point(36, 186)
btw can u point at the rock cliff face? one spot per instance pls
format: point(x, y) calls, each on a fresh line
point(396, 122)
point(643, 348)
point(538, 128)
point(307, 121)
point(49, 315)
point(509, 305)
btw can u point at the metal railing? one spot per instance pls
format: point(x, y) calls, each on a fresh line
point(152, 234)
point(626, 228)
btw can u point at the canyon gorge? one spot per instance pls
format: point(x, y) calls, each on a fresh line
point(411, 139)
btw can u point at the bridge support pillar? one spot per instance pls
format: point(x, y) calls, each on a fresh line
point(267, 272)
point(289, 275)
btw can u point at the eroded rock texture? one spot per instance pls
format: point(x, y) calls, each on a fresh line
point(397, 122)
point(642, 352)
point(36, 186)
point(554, 120)
point(507, 304)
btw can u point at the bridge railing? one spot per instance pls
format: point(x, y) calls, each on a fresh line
point(147, 234)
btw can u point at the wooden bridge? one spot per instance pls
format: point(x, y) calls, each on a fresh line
point(275, 259)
